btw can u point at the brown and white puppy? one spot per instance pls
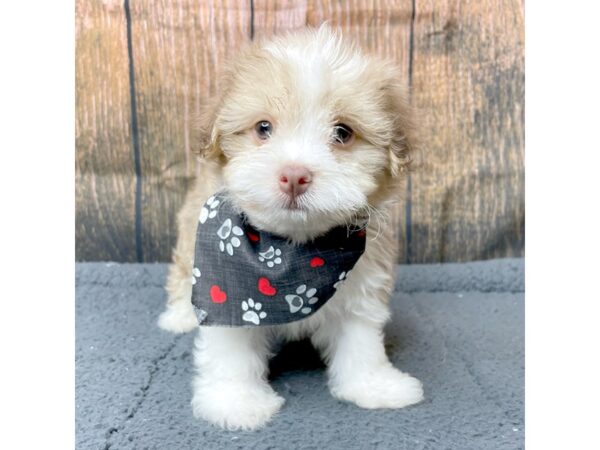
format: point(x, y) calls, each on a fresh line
point(307, 134)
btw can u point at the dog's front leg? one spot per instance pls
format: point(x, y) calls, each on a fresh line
point(230, 387)
point(360, 371)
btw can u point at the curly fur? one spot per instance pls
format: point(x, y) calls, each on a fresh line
point(303, 83)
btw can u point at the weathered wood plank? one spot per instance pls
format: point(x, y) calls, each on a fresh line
point(105, 175)
point(273, 17)
point(381, 28)
point(179, 48)
point(468, 79)
point(466, 199)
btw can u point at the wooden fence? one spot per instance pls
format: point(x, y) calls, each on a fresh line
point(144, 68)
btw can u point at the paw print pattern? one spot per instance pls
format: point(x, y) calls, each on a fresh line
point(195, 275)
point(271, 256)
point(302, 297)
point(343, 276)
point(209, 210)
point(225, 232)
point(252, 311)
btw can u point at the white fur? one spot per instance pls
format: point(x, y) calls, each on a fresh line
point(231, 390)
point(179, 317)
point(230, 387)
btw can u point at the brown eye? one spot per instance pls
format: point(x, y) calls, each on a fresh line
point(263, 129)
point(342, 134)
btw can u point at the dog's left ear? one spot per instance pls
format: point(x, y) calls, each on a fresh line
point(404, 141)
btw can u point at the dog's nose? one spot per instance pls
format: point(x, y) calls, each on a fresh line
point(294, 180)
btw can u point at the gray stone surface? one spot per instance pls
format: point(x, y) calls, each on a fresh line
point(457, 327)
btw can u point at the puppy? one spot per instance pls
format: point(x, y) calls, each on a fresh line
point(334, 124)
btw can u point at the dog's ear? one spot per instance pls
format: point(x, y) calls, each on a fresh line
point(207, 134)
point(405, 140)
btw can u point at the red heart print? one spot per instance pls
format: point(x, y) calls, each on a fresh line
point(265, 287)
point(253, 237)
point(217, 295)
point(317, 262)
point(361, 233)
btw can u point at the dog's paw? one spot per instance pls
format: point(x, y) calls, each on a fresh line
point(386, 387)
point(179, 317)
point(235, 405)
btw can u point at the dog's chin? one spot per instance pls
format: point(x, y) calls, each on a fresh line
point(296, 221)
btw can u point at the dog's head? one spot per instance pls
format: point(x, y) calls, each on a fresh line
point(309, 132)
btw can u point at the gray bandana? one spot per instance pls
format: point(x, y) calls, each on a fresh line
point(246, 277)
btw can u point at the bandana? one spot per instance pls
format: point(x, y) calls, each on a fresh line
point(246, 277)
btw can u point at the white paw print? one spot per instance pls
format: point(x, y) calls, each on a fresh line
point(296, 301)
point(195, 275)
point(209, 210)
point(343, 276)
point(225, 232)
point(272, 256)
point(253, 311)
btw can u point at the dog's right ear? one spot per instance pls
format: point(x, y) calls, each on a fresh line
point(208, 130)
point(208, 137)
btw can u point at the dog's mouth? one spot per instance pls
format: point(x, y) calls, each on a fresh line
point(294, 205)
point(297, 218)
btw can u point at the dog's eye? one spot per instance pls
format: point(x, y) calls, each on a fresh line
point(263, 129)
point(342, 134)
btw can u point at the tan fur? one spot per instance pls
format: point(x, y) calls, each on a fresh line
point(180, 272)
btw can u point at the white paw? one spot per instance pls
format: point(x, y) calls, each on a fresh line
point(272, 256)
point(253, 311)
point(195, 275)
point(235, 405)
point(386, 387)
point(179, 317)
point(224, 232)
point(343, 276)
point(296, 301)
point(209, 210)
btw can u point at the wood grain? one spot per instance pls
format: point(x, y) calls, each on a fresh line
point(273, 17)
point(468, 80)
point(178, 47)
point(467, 71)
point(381, 27)
point(105, 176)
